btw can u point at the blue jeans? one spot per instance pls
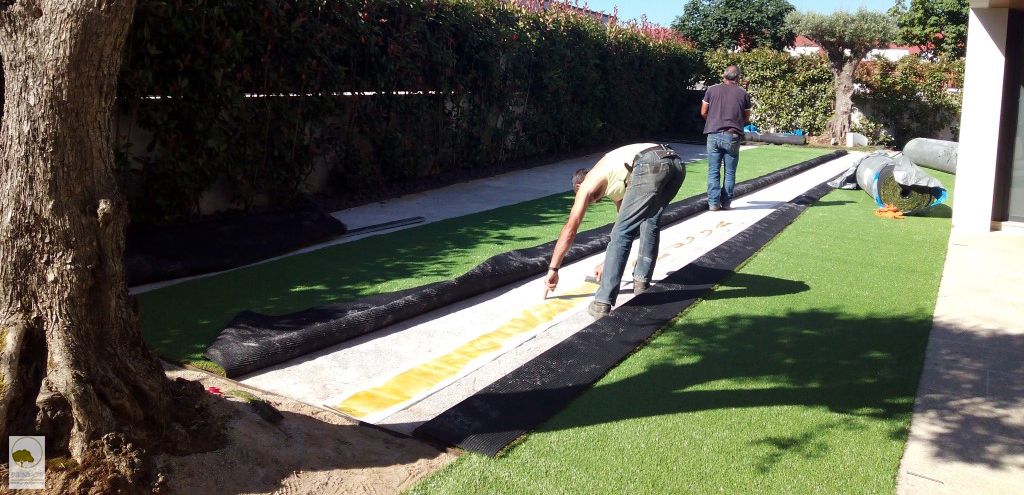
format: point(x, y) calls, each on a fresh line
point(722, 146)
point(652, 186)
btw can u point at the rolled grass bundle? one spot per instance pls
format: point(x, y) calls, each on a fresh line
point(894, 183)
point(935, 154)
point(909, 199)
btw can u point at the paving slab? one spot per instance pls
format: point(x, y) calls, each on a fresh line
point(967, 431)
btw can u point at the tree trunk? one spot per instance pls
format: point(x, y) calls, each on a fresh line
point(843, 67)
point(73, 363)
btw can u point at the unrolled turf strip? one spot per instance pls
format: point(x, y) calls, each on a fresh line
point(496, 416)
point(181, 320)
point(253, 341)
point(796, 375)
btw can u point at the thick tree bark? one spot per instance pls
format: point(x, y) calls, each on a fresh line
point(73, 363)
point(843, 67)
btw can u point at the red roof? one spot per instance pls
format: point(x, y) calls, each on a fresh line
point(805, 42)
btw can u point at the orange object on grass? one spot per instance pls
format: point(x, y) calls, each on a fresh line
point(889, 211)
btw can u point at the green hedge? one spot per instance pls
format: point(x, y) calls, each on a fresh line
point(788, 92)
point(910, 98)
point(902, 100)
point(499, 82)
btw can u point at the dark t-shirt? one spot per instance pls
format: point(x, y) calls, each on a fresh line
point(726, 103)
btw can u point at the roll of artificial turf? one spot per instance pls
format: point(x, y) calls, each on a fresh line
point(774, 138)
point(933, 153)
point(909, 199)
point(898, 182)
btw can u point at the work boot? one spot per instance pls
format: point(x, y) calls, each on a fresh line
point(599, 309)
point(639, 287)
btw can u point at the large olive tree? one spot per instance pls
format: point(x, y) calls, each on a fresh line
point(73, 365)
point(847, 38)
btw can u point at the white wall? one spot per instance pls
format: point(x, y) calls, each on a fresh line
point(979, 120)
point(803, 50)
point(893, 54)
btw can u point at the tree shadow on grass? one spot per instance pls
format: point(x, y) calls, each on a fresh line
point(865, 368)
point(739, 285)
point(938, 211)
point(858, 367)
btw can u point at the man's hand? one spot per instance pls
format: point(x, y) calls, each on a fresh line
point(550, 282)
point(598, 270)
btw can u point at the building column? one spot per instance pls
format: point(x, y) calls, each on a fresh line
point(979, 120)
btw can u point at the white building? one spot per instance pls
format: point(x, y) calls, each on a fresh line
point(806, 46)
point(990, 168)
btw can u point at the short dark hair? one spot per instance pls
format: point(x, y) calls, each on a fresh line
point(578, 176)
point(731, 73)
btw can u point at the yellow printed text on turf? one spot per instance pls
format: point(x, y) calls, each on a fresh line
point(415, 381)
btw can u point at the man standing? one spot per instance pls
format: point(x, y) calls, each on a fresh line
point(641, 179)
point(726, 109)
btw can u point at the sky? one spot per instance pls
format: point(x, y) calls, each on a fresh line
point(665, 11)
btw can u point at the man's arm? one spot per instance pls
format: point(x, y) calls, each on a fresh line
point(572, 225)
point(704, 109)
point(585, 196)
point(746, 116)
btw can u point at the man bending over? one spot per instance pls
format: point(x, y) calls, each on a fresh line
point(641, 179)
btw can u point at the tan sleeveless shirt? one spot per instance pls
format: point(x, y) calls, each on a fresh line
point(613, 168)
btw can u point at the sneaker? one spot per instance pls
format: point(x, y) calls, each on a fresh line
point(599, 309)
point(714, 207)
point(724, 207)
point(639, 287)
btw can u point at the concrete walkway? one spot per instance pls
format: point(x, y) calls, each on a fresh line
point(967, 432)
point(465, 198)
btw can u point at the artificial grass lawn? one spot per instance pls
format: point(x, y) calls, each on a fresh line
point(181, 320)
point(796, 375)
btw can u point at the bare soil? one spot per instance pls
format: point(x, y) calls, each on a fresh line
point(311, 450)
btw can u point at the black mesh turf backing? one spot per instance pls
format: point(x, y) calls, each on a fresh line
point(496, 416)
point(152, 254)
point(252, 341)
